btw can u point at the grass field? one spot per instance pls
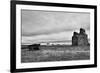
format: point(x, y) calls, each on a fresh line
point(55, 53)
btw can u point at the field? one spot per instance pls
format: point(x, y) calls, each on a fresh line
point(55, 53)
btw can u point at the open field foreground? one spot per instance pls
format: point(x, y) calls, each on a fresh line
point(55, 53)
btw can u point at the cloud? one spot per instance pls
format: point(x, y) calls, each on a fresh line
point(62, 36)
point(49, 25)
point(50, 37)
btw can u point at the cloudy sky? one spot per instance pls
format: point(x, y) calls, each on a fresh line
point(48, 26)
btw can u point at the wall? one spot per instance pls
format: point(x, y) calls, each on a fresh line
point(5, 37)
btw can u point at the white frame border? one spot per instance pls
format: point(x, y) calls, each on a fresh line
point(20, 65)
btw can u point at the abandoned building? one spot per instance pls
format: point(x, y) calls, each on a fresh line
point(34, 47)
point(80, 39)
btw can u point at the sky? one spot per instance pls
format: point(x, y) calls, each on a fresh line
point(48, 26)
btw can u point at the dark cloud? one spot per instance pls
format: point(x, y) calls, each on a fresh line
point(47, 23)
point(46, 32)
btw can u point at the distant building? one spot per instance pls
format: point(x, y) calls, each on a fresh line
point(79, 39)
point(34, 47)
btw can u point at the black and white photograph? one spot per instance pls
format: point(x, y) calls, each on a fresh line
point(52, 36)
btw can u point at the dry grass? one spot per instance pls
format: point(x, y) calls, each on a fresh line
point(56, 53)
